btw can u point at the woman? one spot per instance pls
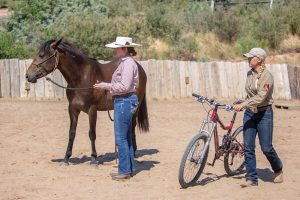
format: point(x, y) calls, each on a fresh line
point(123, 86)
point(258, 117)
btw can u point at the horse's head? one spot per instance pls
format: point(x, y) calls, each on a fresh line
point(45, 62)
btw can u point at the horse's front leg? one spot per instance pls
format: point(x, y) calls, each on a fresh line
point(73, 114)
point(92, 133)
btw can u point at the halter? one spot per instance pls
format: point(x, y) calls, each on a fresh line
point(56, 55)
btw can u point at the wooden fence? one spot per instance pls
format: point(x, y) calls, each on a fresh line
point(166, 79)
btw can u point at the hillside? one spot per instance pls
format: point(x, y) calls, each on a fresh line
point(167, 29)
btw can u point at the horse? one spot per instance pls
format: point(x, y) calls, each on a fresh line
point(81, 72)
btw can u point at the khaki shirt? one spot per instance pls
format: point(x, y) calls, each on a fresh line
point(259, 88)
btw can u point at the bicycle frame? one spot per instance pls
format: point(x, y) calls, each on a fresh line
point(219, 151)
point(213, 131)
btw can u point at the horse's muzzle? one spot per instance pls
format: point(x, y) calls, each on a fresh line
point(31, 78)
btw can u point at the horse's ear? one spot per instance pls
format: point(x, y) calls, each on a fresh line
point(55, 44)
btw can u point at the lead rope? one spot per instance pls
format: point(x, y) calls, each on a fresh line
point(106, 102)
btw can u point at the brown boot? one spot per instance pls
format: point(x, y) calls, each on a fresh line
point(121, 177)
point(278, 177)
point(249, 184)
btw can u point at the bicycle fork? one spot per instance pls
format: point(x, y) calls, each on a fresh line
point(209, 135)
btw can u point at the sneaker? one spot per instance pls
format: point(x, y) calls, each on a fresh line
point(278, 177)
point(249, 184)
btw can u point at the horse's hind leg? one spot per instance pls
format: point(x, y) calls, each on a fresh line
point(73, 113)
point(133, 132)
point(92, 132)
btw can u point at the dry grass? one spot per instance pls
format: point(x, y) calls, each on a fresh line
point(291, 42)
point(212, 48)
point(160, 46)
point(289, 58)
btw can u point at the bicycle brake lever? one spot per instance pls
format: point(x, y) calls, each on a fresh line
point(229, 108)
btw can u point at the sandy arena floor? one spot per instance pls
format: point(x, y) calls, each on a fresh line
point(34, 135)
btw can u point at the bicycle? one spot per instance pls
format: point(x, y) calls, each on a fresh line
point(196, 153)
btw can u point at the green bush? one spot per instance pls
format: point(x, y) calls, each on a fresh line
point(187, 48)
point(244, 44)
point(32, 19)
point(160, 24)
point(10, 47)
point(106, 30)
point(198, 16)
point(226, 26)
point(293, 18)
point(92, 23)
point(270, 27)
point(10, 3)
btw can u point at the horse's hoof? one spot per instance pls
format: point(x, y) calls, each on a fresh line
point(64, 163)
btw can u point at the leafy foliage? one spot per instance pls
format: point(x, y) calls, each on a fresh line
point(92, 23)
point(10, 47)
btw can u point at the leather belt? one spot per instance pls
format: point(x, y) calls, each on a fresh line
point(123, 95)
point(259, 109)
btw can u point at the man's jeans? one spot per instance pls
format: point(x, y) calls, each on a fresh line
point(261, 123)
point(124, 108)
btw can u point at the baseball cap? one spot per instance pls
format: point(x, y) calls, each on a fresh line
point(256, 52)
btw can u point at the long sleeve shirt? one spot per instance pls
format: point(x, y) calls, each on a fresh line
point(259, 89)
point(125, 79)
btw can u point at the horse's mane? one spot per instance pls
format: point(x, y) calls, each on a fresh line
point(66, 46)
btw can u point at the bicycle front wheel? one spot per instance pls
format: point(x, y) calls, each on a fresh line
point(234, 161)
point(191, 167)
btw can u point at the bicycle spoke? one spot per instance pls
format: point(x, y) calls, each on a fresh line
point(191, 166)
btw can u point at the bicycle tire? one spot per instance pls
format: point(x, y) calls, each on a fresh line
point(227, 164)
point(184, 184)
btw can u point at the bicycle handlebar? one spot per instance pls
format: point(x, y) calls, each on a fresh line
point(215, 103)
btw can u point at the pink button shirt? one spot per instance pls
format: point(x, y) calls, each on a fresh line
point(125, 79)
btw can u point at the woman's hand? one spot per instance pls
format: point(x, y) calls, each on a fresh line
point(238, 107)
point(97, 85)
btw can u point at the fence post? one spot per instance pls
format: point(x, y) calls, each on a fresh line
point(5, 78)
point(271, 4)
point(212, 5)
point(22, 65)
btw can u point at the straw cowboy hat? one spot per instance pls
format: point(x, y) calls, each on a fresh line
point(122, 42)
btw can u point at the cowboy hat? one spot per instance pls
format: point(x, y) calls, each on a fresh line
point(122, 42)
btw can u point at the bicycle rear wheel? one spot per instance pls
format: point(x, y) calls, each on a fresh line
point(189, 169)
point(234, 161)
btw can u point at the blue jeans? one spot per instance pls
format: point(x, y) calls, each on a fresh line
point(261, 123)
point(124, 108)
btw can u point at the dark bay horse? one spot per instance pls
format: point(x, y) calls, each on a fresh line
point(80, 71)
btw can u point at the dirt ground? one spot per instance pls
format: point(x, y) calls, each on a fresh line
point(34, 135)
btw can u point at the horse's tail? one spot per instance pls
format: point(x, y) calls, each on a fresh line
point(143, 121)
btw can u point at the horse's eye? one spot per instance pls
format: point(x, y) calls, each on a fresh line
point(41, 55)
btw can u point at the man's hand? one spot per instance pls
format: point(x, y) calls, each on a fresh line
point(238, 107)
